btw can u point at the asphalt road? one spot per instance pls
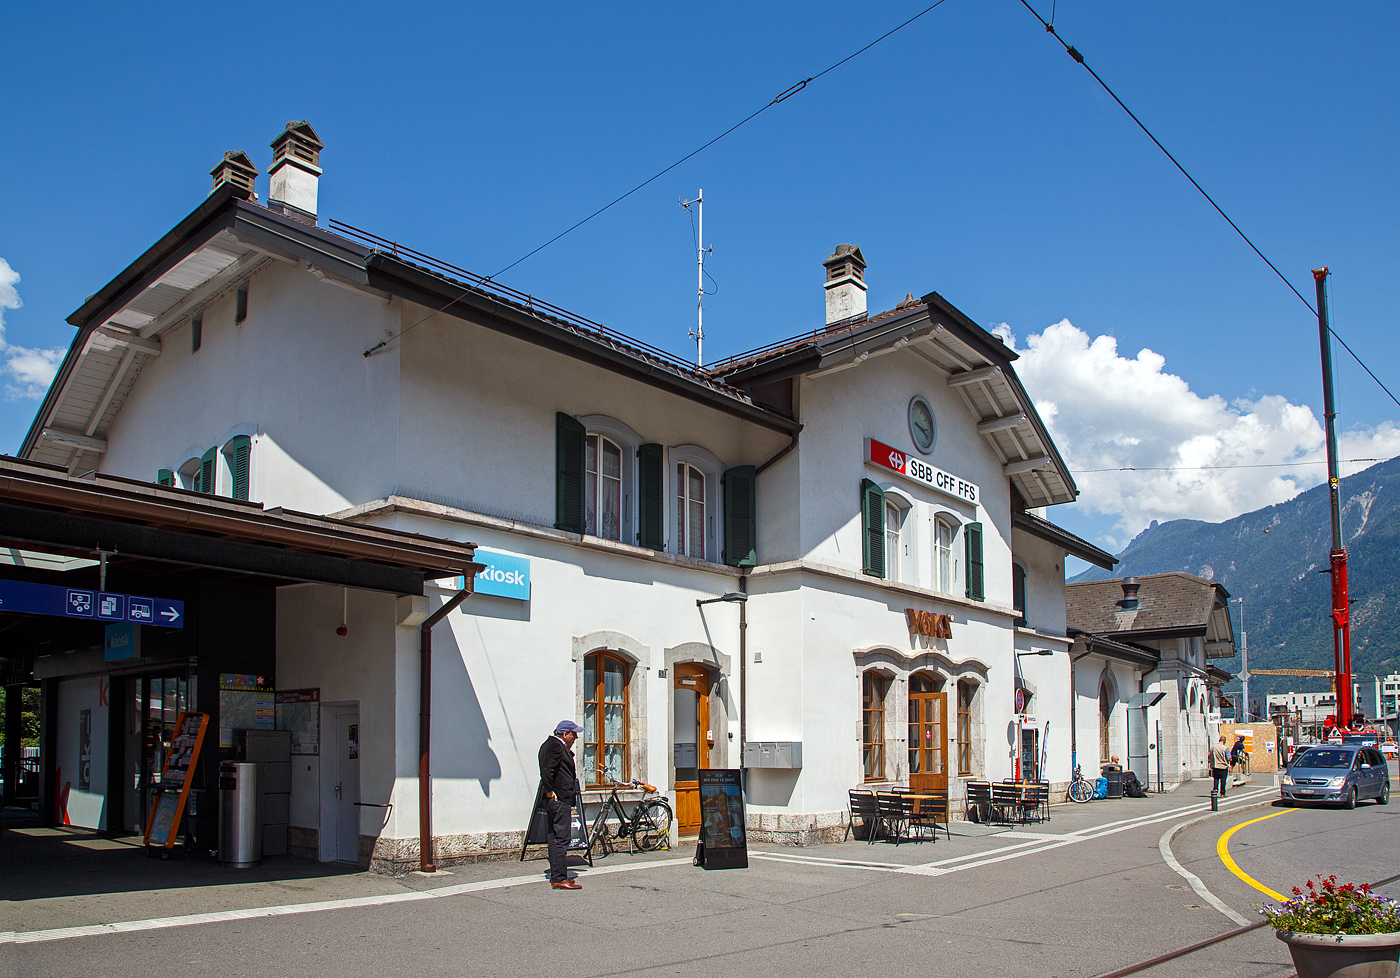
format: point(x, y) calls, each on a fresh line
point(1087, 892)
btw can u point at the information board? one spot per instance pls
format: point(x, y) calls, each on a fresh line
point(175, 778)
point(723, 840)
point(537, 832)
point(246, 702)
point(299, 712)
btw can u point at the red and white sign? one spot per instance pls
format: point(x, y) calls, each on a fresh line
point(878, 453)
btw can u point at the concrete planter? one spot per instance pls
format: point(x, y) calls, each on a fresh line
point(1343, 955)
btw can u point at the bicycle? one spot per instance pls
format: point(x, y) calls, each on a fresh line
point(1080, 789)
point(648, 827)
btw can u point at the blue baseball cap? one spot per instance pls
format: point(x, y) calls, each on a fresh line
point(567, 726)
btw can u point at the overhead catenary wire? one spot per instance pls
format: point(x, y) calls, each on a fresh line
point(1079, 59)
point(1198, 468)
point(782, 96)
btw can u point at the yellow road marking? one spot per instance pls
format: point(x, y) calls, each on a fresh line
point(1222, 849)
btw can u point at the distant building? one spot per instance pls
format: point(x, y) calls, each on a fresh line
point(1143, 674)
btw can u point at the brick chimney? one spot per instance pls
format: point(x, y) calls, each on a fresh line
point(845, 284)
point(296, 170)
point(236, 169)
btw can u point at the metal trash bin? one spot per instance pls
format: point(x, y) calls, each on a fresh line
point(1113, 774)
point(240, 815)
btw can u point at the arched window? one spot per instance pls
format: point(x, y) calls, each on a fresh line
point(690, 511)
point(966, 690)
point(872, 725)
point(604, 739)
point(928, 726)
point(894, 549)
point(603, 488)
point(942, 556)
point(1105, 712)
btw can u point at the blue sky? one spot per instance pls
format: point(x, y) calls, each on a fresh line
point(967, 154)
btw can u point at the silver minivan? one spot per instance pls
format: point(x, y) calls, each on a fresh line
point(1337, 776)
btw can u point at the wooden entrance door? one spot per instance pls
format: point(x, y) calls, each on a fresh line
point(690, 741)
point(928, 735)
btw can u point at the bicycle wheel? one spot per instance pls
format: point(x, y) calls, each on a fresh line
point(1081, 791)
point(652, 829)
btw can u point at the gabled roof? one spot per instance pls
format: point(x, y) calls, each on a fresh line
point(973, 361)
point(1177, 604)
point(228, 238)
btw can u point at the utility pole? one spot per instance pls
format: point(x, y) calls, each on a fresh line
point(698, 334)
point(1341, 606)
point(1244, 664)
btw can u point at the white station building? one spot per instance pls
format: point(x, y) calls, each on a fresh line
point(865, 501)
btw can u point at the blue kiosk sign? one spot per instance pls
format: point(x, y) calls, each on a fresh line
point(103, 606)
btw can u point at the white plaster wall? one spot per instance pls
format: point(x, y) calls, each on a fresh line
point(478, 420)
point(85, 808)
point(1051, 704)
point(842, 409)
point(356, 668)
point(504, 671)
point(327, 417)
point(1045, 582)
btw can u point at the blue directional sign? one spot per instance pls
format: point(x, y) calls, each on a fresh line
point(105, 606)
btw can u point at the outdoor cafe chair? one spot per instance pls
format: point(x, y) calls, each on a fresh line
point(927, 808)
point(893, 814)
point(979, 801)
point(863, 807)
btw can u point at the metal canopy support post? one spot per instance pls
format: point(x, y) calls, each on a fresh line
point(1341, 610)
point(425, 723)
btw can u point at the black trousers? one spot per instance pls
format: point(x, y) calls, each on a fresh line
point(1221, 776)
point(560, 831)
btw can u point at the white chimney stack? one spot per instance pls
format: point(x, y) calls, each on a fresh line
point(296, 170)
point(845, 284)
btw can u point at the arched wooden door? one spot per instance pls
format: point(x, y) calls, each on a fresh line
point(928, 735)
point(690, 741)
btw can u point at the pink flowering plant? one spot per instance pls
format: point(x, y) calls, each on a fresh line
point(1327, 907)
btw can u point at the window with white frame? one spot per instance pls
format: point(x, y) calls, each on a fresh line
point(894, 549)
point(690, 511)
point(942, 555)
point(603, 488)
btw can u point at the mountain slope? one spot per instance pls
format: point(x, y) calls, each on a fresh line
point(1272, 558)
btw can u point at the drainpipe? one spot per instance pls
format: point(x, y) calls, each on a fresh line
point(775, 459)
point(743, 672)
point(425, 719)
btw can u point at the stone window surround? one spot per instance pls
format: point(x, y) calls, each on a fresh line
point(639, 660)
point(898, 667)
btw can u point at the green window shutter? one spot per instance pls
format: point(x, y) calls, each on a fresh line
point(165, 477)
point(208, 465)
point(239, 451)
point(569, 462)
point(740, 516)
point(872, 528)
point(972, 538)
point(651, 498)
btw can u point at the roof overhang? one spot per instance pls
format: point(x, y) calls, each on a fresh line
point(45, 509)
point(972, 361)
point(1109, 649)
point(1062, 538)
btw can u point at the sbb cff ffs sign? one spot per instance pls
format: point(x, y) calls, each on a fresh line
point(878, 453)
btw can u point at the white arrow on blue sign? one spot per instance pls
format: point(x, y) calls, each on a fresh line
point(105, 606)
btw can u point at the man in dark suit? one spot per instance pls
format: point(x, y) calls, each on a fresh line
point(556, 798)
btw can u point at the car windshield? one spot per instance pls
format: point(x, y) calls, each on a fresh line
point(1325, 758)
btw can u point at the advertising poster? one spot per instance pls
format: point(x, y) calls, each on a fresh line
point(299, 711)
point(723, 841)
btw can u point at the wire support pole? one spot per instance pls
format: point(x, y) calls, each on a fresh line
point(698, 334)
point(1341, 604)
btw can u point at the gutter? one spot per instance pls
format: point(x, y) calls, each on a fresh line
point(425, 721)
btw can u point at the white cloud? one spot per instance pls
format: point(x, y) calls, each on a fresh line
point(32, 370)
point(1107, 411)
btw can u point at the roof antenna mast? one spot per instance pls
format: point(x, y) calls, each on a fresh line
point(698, 334)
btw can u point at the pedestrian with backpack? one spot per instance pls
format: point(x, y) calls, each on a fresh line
point(1239, 760)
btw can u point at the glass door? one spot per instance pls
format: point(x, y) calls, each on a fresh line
point(160, 699)
point(928, 735)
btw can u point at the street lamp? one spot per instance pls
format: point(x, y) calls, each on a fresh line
point(741, 598)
